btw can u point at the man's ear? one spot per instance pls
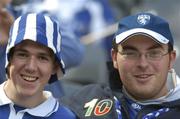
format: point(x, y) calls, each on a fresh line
point(114, 58)
point(172, 59)
point(56, 67)
point(57, 70)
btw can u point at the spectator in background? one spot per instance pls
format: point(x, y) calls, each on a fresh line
point(33, 59)
point(6, 20)
point(92, 17)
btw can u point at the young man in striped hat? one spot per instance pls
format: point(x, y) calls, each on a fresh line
point(33, 59)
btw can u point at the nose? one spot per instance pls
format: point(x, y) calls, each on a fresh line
point(31, 65)
point(142, 62)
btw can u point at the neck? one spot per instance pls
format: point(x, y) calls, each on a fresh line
point(136, 99)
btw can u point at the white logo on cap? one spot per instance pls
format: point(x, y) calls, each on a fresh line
point(143, 19)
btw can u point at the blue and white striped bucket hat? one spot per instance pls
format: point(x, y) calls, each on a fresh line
point(38, 28)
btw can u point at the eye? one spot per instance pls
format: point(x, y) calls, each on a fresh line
point(130, 53)
point(43, 58)
point(20, 54)
point(155, 53)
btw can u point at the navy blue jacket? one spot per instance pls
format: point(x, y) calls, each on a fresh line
point(96, 102)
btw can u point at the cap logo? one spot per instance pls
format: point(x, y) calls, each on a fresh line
point(143, 19)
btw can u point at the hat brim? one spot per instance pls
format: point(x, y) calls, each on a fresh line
point(155, 36)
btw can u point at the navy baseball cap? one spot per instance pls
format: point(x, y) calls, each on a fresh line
point(39, 28)
point(145, 24)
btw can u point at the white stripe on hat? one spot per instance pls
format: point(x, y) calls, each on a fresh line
point(14, 34)
point(49, 33)
point(58, 41)
point(30, 24)
point(158, 37)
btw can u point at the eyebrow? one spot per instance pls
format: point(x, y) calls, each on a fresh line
point(129, 47)
point(39, 53)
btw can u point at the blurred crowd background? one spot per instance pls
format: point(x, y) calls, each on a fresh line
point(94, 23)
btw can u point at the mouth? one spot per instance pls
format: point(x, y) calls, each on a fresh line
point(143, 77)
point(29, 78)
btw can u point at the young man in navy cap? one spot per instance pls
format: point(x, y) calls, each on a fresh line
point(33, 59)
point(148, 87)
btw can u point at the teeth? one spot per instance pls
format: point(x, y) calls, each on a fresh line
point(29, 78)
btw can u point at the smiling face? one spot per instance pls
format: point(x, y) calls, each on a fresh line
point(143, 78)
point(30, 68)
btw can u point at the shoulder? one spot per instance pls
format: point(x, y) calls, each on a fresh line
point(165, 110)
point(64, 113)
point(4, 111)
